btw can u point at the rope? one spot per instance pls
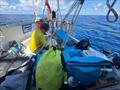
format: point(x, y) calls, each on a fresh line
point(73, 21)
point(48, 7)
point(111, 10)
point(58, 12)
point(72, 7)
point(77, 13)
point(43, 12)
point(78, 5)
point(35, 6)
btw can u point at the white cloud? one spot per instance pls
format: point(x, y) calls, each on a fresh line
point(99, 4)
point(27, 5)
point(105, 6)
point(53, 4)
point(12, 7)
point(95, 8)
point(5, 6)
point(3, 3)
point(30, 5)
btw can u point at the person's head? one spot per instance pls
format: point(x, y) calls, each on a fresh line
point(38, 19)
point(44, 27)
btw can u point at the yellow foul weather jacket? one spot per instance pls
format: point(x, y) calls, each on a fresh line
point(37, 40)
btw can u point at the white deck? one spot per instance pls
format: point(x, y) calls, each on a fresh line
point(11, 33)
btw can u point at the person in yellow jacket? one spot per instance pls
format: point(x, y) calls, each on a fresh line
point(38, 39)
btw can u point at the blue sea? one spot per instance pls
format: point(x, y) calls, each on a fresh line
point(97, 29)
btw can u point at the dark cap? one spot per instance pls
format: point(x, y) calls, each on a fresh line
point(44, 26)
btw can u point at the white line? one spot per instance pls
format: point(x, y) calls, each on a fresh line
point(23, 42)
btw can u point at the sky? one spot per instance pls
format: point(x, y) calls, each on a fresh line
point(90, 7)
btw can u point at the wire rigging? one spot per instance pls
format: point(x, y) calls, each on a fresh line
point(76, 7)
point(35, 7)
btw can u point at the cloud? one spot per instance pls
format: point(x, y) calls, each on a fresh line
point(11, 7)
point(99, 4)
point(26, 3)
point(29, 5)
point(105, 6)
point(3, 3)
point(5, 6)
point(95, 8)
point(62, 4)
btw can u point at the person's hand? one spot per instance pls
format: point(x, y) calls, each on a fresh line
point(48, 33)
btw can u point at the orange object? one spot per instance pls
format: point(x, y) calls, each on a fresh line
point(48, 5)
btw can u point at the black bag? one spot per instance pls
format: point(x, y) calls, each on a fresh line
point(116, 61)
point(83, 44)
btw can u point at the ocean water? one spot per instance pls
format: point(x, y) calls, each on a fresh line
point(101, 33)
point(12, 19)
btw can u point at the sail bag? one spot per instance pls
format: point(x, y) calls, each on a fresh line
point(49, 73)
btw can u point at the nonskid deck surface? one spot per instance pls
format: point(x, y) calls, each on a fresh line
point(116, 87)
